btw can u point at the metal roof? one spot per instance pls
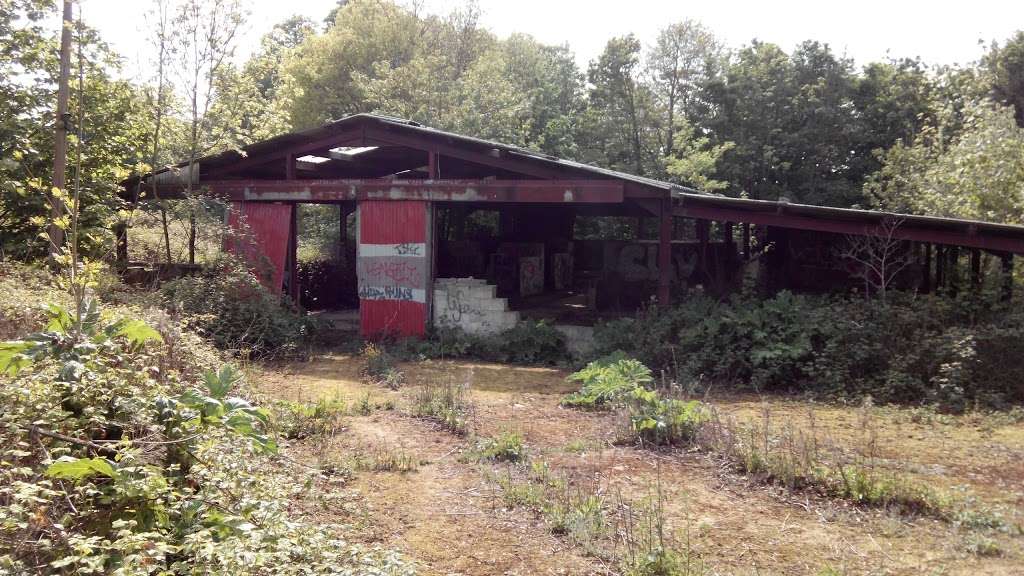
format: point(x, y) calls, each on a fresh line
point(680, 194)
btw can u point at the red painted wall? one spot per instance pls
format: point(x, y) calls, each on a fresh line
point(263, 230)
point(393, 267)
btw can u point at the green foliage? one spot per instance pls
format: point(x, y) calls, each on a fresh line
point(608, 382)
point(530, 342)
point(380, 367)
point(917, 350)
point(227, 304)
point(976, 173)
point(122, 458)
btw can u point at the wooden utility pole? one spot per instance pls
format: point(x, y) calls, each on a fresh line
point(60, 139)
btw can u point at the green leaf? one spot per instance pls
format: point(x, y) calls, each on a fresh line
point(80, 468)
point(137, 332)
point(13, 356)
point(60, 319)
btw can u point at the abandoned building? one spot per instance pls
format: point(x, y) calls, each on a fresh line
point(449, 229)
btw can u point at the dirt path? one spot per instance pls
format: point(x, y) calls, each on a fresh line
point(446, 515)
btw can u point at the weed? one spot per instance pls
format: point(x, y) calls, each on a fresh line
point(447, 404)
point(506, 447)
point(649, 548)
point(577, 446)
point(664, 421)
point(379, 366)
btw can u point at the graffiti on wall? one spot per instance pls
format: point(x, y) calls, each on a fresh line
point(531, 275)
point(392, 272)
point(458, 305)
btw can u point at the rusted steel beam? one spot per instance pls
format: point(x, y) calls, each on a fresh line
point(905, 231)
point(326, 191)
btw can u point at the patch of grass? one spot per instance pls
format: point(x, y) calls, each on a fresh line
point(505, 447)
point(298, 420)
point(447, 404)
point(982, 546)
point(577, 446)
point(385, 460)
point(797, 460)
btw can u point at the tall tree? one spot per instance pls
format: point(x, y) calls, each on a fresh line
point(682, 60)
point(621, 120)
point(207, 30)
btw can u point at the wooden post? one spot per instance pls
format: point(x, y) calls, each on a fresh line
point(289, 167)
point(121, 249)
point(746, 241)
point(926, 273)
point(432, 168)
point(975, 268)
point(703, 232)
point(940, 267)
point(953, 272)
point(665, 253)
point(1007, 259)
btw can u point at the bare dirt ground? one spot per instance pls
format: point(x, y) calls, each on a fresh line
point(447, 515)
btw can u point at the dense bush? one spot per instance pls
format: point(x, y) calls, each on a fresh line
point(227, 304)
point(916, 349)
point(115, 462)
point(327, 285)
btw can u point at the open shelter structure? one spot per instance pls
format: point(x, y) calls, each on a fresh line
point(412, 189)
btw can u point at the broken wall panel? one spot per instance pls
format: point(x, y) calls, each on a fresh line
point(261, 233)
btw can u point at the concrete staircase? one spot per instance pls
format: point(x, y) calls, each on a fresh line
point(472, 305)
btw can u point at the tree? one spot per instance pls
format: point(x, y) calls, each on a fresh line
point(114, 126)
point(682, 60)
point(621, 129)
point(878, 256)
point(694, 160)
point(369, 36)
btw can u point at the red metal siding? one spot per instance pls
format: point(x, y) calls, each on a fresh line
point(393, 268)
point(263, 229)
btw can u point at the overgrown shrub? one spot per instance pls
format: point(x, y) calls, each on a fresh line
point(227, 304)
point(115, 466)
point(915, 349)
